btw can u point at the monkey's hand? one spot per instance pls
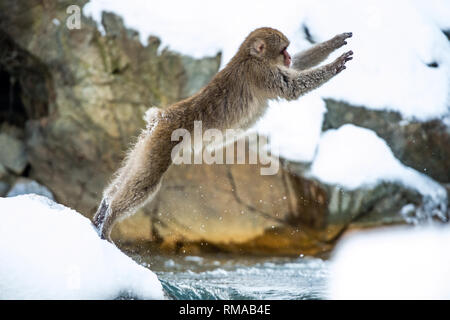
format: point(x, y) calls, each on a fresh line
point(296, 83)
point(338, 41)
point(339, 64)
point(313, 56)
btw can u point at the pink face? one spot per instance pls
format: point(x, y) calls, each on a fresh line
point(287, 58)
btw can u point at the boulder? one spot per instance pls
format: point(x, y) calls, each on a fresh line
point(13, 155)
point(235, 209)
point(27, 186)
point(423, 146)
point(4, 187)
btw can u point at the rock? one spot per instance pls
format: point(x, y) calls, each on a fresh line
point(423, 146)
point(447, 33)
point(13, 155)
point(232, 208)
point(199, 72)
point(27, 186)
point(3, 172)
point(12, 131)
point(4, 187)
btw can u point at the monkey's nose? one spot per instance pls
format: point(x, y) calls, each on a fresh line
point(287, 58)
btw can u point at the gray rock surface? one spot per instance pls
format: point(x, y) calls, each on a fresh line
point(13, 155)
point(27, 186)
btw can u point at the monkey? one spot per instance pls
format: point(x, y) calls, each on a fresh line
point(236, 97)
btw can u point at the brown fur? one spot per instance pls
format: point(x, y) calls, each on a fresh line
point(235, 98)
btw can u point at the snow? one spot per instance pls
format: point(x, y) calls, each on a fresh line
point(437, 10)
point(355, 157)
point(393, 43)
point(396, 263)
point(294, 124)
point(48, 251)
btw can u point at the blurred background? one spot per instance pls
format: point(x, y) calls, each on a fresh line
point(369, 149)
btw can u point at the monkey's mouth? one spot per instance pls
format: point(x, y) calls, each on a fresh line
point(287, 57)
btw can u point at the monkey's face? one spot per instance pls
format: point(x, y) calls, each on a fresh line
point(286, 57)
point(270, 45)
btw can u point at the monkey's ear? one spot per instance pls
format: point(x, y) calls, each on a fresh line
point(257, 47)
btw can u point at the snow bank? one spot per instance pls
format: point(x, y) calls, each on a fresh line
point(393, 43)
point(294, 128)
point(355, 157)
point(48, 251)
point(399, 263)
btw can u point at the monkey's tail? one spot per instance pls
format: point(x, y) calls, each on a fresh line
point(152, 116)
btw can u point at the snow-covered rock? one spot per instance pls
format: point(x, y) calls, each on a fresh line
point(354, 157)
point(418, 144)
point(48, 251)
point(397, 263)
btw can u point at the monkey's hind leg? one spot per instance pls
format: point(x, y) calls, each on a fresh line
point(124, 204)
point(136, 182)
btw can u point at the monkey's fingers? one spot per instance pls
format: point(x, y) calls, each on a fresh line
point(347, 34)
point(340, 68)
point(339, 40)
point(346, 56)
point(340, 62)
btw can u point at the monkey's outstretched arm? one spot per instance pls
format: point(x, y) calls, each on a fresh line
point(318, 53)
point(294, 83)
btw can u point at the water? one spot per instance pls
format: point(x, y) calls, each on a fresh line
point(224, 277)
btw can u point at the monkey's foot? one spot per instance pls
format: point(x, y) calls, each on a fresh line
point(339, 63)
point(100, 216)
point(105, 236)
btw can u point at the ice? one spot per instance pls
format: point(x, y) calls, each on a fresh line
point(48, 251)
point(396, 263)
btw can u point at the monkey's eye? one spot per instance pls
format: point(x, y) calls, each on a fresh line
point(282, 51)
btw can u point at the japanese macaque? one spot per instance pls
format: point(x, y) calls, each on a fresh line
point(234, 99)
